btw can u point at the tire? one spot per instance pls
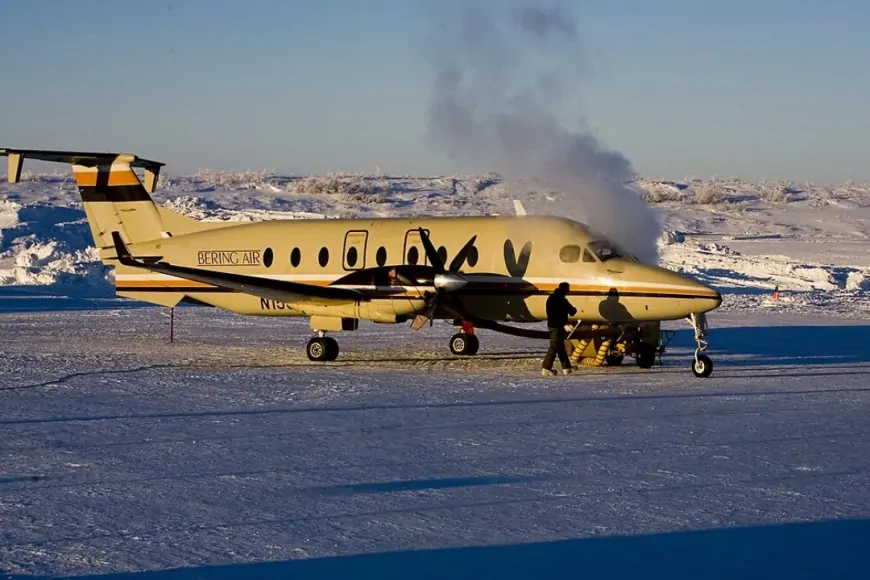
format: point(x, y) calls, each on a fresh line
point(702, 367)
point(317, 349)
point(331, 348)
point(475, 345)
point(645, 356)
point(614, 360)
point(464, 344)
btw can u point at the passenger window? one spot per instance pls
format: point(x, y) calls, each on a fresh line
point(323, 257)
point(588, 257)
point(442, 254)
point(570, 254)
point(413, 255)
point(295, 257)
point(381, 256)
point(267, 257)
point(351, 257)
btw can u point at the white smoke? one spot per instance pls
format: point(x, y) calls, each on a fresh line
point(502, 79)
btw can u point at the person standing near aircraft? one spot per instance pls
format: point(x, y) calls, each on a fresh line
point(558, 312)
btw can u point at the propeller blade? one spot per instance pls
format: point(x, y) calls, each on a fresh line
point(422, 318)
point(419, 322)
point(460, 258)
point(431, 252)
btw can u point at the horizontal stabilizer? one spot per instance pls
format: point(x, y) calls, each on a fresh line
point(81, 158)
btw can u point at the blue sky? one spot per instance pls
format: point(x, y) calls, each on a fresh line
point(749, 88)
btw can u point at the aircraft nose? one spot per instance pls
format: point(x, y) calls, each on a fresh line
point(711, 300)
point(703, 298)
point(692, 296)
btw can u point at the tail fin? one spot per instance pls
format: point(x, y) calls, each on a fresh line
point(113, 197)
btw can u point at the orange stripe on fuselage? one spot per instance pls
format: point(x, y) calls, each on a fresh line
point(547, 288)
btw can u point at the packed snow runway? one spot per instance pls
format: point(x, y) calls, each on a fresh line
point(227, 454)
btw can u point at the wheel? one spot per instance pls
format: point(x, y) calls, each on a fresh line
point(475, 345)
point(464, 344)
point(645, 356)
point(331, 348)
point(702, 366)
point(317, 349)
point(614, 360)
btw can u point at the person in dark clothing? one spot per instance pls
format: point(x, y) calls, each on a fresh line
point(558, 312)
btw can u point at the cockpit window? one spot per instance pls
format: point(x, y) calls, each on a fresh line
point(588, 257)
point(570, 254)
point(606, 250)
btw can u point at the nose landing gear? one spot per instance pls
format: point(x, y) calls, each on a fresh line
point(702, 365)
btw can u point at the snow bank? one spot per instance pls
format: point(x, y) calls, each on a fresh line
point(48, 245)
point(744, 238)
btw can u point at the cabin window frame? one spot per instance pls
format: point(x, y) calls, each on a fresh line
point(414, 240)
point(361, 250)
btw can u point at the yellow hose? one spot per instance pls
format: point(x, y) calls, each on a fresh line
point(578, 351)
point(601, 355)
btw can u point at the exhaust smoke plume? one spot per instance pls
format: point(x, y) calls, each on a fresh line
point(502, 79)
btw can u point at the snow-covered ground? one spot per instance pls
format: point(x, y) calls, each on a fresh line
point(226, 454)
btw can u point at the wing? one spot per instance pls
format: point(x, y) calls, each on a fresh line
point(291, 292)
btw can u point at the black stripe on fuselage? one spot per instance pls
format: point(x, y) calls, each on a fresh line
point(180, 290)
point(113, 193)
point(374, 294)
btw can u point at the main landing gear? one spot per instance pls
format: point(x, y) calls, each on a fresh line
point(702, 365)
point(322, 348)
point(465, 342)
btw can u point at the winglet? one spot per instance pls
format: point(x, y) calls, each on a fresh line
point(518, 207)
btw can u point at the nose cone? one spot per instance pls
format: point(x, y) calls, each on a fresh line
point(704, 298)
point(449, 282)
point(696, 296)
point(675, 295)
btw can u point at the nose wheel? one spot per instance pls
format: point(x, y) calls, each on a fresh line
point(322, 349)
point(702, 365)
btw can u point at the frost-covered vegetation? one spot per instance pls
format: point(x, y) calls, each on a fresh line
point(734, 191)
point(45, 241)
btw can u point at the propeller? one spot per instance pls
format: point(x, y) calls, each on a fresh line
point(447, 278)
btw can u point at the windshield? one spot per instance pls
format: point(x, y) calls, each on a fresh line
point(606, 250)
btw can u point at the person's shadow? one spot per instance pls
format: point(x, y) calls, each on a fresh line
point(612, 310)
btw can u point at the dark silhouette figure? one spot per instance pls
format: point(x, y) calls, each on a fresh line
point(558, 312)
point(612, 310)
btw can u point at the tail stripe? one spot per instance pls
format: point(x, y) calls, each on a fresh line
point(113, 193)
point(117, 174)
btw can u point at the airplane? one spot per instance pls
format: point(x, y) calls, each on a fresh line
point(478, 271)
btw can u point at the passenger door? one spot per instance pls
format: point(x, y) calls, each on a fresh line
point(354, 255)
point(414, 253)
